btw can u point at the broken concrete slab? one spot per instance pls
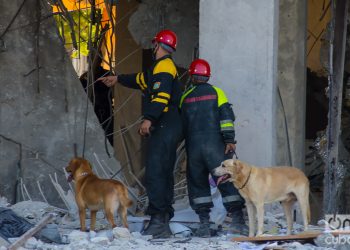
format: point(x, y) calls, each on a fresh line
point(44, 109)
point(121, 233)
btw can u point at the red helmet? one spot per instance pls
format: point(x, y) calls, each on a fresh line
point(167, 37)
point(199, 67)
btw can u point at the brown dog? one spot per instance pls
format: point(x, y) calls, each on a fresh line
point(94, 193)
point(259, 186)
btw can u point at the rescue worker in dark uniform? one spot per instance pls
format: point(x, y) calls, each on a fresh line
point(208, 121)
point(161, 93)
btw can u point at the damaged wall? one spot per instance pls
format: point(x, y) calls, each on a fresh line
point(42, 104)
point(180, 16)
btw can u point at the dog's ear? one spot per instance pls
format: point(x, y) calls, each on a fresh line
point(74, 165)
point(238, 166)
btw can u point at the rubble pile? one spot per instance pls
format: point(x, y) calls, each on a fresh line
point(121, 238)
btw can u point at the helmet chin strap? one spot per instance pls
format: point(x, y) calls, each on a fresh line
point(154, 51)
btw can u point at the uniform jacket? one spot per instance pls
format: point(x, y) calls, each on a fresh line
point(206, 110)
point(159, 85)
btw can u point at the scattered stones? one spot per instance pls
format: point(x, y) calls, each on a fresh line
point(122, 238)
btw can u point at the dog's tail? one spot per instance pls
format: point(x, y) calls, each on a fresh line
point(126, 202)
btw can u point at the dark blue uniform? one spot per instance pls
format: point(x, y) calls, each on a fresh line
point(162, 93)
point(208, 121)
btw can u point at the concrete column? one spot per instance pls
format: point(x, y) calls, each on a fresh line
point(292, 82)
point(240, 40)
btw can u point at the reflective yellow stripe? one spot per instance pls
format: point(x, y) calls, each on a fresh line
point(142, 79)
point(228, 124)
point(138, 81)
point(160, 100)
point(222, 99)
point(165, 66)
point(163, 94)
point(185, 95)
point(166, 109)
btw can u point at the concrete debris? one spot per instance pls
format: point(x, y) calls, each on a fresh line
point(122, 238)
point(77, 236)
point(3, 242)
point(31, 232)
point(341, 242)
point(121, 232)
point(100, 240)
point(4, 202)
point(31, 243)
point(33, 211)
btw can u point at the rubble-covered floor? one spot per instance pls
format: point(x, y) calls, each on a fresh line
point(121, 238)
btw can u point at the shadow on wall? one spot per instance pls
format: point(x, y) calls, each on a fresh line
point(316, 104)
point(101, 99)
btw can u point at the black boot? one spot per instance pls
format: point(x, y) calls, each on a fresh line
point(204, 227)
point(158, 227)
point(238, 225)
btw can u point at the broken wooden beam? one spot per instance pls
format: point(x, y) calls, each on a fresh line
point(21, 240)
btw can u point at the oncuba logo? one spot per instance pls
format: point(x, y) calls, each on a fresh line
point(337, 222)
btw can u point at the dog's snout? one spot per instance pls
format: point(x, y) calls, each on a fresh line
point(217, 171)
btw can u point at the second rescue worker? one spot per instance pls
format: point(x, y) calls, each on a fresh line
point(162, 94)
point(208, 121)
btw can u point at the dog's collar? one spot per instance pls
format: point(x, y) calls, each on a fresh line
point(245, 183)
point(84, 173)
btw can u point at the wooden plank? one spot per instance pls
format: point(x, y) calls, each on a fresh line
point(21, 240)
point(296, 237)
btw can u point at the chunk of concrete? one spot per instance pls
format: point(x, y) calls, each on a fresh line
point(121, 232)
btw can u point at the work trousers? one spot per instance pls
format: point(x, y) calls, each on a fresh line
point(204, 153)
point(160, 160)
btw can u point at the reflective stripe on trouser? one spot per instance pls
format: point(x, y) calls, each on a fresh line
point(231, 198)
point(160, 161)
point(202, 158)
point(201, 200)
